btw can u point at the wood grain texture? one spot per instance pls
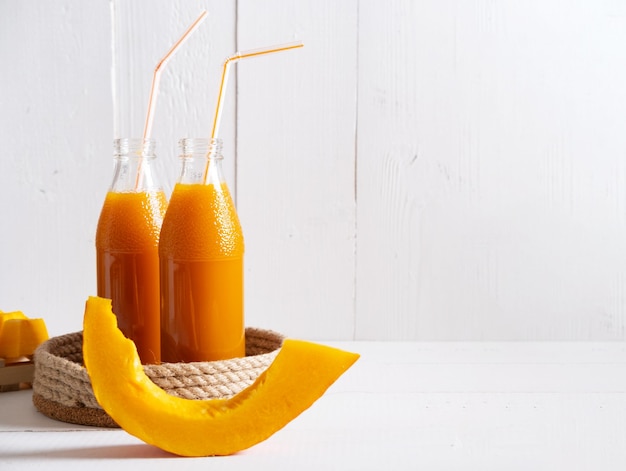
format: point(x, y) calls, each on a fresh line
point(55, 128)
point(490, 153)
point(432, 170)
point(295, 166)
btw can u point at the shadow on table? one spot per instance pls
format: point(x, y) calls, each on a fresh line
point(137, 451)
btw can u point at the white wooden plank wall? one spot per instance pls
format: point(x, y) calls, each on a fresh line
point(295, 146)
point(491, 170)
point(421, 170)
point(56, 134)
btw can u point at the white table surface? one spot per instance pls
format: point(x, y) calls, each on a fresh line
point(413, 406)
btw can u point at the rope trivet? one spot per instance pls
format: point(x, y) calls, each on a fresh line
point(62, 390)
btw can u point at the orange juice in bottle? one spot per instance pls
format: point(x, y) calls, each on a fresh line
point(201, 262)
point(127, 240)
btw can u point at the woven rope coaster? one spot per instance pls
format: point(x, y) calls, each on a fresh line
point(62, 391)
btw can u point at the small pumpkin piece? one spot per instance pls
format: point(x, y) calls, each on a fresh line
point(19, 335)
point(7, 316)
point(300, 374)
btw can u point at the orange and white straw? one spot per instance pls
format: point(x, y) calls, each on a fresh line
point(159, 69)
point(154, 88)
point(231, 60)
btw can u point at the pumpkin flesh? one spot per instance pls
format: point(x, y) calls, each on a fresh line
point(20, 335)
point(300, 374)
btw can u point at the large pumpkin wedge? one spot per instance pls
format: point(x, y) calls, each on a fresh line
point(300, 374)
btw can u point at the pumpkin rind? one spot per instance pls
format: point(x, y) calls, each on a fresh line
point(300, 374)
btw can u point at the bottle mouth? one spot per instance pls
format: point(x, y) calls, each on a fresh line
point(129, 146)
point(196, 146)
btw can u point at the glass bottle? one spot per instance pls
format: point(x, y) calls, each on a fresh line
point(201, 262)
point(127, 241)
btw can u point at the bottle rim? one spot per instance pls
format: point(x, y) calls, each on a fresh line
point(208, 147)
point(134, 147)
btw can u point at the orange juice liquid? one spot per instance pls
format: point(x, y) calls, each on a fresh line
point(201, 262)
point(128, 265)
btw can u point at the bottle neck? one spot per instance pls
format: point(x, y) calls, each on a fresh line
point(201, 161)
point(128, 146)
point(134, 162)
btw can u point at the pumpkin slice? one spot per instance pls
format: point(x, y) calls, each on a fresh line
point(300, 374)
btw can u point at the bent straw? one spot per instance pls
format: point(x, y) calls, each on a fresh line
point(158, 69)
point(147, 130)
point(231, 60)
point(234, 58)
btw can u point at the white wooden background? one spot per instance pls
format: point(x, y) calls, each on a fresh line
point(421, 170)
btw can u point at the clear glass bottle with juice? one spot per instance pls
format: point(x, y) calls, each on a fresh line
point(127, 241)
point(201, 252)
